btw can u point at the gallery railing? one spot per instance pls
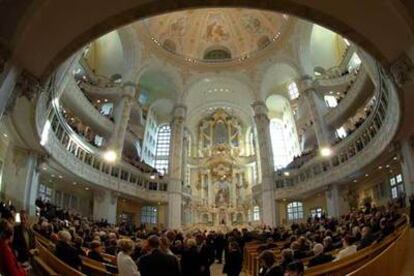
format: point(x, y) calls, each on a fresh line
point(356, 151)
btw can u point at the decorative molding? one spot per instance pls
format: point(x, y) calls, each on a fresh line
point(402, 70)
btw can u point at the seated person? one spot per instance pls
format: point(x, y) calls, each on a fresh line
point(328, 244)
point(65, 251)
point(294, 269)
point(349, 248)
point(96, 251)
point(320, 256)
point(269, 266)
point(297, 252)
point(366, 238)
point(287, 257)
point(269, 245)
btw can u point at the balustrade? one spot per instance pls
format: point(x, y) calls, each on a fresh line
point(378, 122)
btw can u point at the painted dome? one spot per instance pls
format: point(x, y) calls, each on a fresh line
point(216, 34)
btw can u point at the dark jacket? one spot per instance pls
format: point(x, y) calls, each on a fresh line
point(204, 260)
point(273, 271)
point(233, 265)
point(95, 256)
point(68, 254)
point(189, 262)
point(157, 263)
point(320, 259)
point(366, 241)
point(20, 245)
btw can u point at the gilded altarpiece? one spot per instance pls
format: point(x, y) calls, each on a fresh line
point(222, 183)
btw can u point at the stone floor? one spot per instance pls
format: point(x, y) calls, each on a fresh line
point(217, 270)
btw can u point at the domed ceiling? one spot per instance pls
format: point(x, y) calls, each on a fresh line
point(216, 34)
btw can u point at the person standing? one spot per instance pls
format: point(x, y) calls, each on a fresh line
point(412, 210)
point(234, 260)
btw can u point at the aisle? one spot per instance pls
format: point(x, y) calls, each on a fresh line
point(408, 267)
point(216, 270)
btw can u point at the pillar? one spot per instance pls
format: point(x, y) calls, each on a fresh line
point(317, 109)
point(175, 167)
point(407, 167)
point(269, 212)
point(122, 110)
point(105, 205)
point(8, 80)
point(334, 201)
point(21, 178)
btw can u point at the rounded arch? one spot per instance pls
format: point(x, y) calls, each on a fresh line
point(44, 22)
point(276, 78)
point(157, 83)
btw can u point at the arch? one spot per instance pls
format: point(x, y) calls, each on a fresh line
point(43, 22)
point(276, 79)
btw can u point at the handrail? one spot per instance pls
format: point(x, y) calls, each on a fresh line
point(376, 133)
point(84, 162)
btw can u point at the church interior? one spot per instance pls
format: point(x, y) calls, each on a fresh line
point(206, 137)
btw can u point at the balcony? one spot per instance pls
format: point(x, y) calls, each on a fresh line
point(356, 151)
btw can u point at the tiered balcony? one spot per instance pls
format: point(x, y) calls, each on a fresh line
point(85, 161)
point(351, 154)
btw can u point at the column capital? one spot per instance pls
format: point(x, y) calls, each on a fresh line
point(179, 111)
point(129, 89)
point(307, 83)
point(260, 108)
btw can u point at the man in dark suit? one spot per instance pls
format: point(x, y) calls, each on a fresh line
point(156, 263)
point(269, 266)
point(204, 256)
point(66, 252)
point(320, 256)
point(23, 241)
point(366, 238)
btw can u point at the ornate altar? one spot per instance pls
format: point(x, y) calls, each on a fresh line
point(222, 184)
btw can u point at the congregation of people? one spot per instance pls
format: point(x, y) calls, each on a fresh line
point(141, 250)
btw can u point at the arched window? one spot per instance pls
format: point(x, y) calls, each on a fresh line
point(163, 148)
point(149, 214)
point(256, 213)
point(295, 211)
point(217, 54)
point(293, 90)
point(279, 136)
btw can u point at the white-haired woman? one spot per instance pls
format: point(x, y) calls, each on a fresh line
point(126, 266)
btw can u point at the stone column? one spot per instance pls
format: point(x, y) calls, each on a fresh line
point(317, 108)
point(334, 201)
point(407, 167)
point(105, 205)
point(269, 212)
point(122, 110)
point(175, 167)
point(8, 78)
point(21, 178)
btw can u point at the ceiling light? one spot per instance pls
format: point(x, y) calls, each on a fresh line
point(106, 100)
point(325, 151)
point(286, 173)
point(152, 176)
point(387, 166)
point(74, 183)
point(380, 167)
point(60, 176)
point(5, 135)
point(52, 175)
point(366, 175)
point(98, 101)
point(44, 168)
point(110, 156)
point(395, 157)
point(355, 181)
point(87, 188)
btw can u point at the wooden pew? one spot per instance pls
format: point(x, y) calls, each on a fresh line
point(41, 268)
point(55, 263)
point(94, 268)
